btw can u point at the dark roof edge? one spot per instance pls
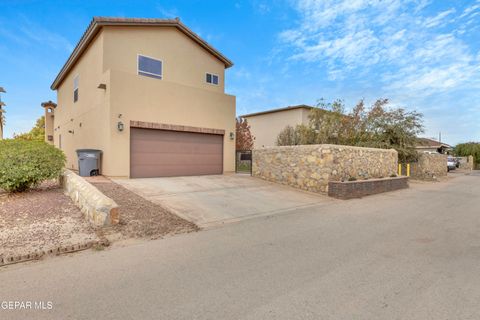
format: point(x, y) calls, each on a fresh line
point(301, 106)
point(431, 143)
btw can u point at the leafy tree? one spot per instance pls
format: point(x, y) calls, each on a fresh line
point(469, 149)
point(244, 138)
point(288, 137)
point(327, 122)
point(378, 127)
point(36, 134)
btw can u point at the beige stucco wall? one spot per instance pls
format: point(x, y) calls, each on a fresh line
point(151, 100)
point(311, 167)
point(88, 117)
point(49, 123)
point(182, 97)
point(184, 61)
point(266, 127)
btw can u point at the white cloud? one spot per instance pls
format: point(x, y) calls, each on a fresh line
point(408, 50)
point(46, 37)
point(28, 32)
point(438, 19)
point(167, 12)
point(471, 10)
point(349, 37)
point(261, 7)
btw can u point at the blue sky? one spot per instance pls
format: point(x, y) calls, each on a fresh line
point(421, 54)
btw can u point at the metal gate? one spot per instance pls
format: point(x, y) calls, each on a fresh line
point(243, 161)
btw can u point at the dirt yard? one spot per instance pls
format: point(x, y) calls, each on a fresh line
point(140, 218)
point(40, 219)
point(45, 219)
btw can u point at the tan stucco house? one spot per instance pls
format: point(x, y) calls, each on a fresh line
point(266, 125)
point(150, 94)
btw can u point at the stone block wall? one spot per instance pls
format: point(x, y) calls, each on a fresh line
point(430, 167)
point(311, 167)
point(467, 163)
point(97, 208)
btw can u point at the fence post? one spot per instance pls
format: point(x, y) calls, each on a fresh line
point(408, 169)
point(399, 169)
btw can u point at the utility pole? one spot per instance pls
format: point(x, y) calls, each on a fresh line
point(2, 113)
point(440, 136)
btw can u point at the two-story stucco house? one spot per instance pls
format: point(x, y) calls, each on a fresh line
point(150, 94)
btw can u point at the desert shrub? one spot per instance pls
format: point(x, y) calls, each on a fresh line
point(25, 164)
point(288, 137)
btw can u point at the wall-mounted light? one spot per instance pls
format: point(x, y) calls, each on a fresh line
point(120, 126)
point(232, 135)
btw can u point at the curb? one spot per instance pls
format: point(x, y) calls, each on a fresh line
point(5, 261)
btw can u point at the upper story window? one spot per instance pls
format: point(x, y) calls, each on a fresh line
point(212, 78)
point(75, 89)
point(150, 67)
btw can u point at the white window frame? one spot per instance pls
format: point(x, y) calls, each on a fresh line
point(77, 78)
point(155, 76)
point(212, 74)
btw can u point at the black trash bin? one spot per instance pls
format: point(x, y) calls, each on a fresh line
point(89, 162)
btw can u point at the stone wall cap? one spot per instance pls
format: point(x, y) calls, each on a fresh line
point(325, 146)
point(370, 180)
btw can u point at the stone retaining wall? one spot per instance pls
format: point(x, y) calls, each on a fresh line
point(97, 208)
point(467, 163)
point(311, 167)
point(430, 167)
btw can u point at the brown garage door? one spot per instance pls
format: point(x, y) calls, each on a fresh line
point(164, 153)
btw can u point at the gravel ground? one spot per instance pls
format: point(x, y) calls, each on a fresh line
point(140, 218)
point(40, 219)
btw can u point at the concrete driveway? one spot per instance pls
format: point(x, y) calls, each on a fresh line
point(213, 200)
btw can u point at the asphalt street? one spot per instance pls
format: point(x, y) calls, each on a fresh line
point(410, 254)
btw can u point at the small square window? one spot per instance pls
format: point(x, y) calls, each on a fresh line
point(212, 78)
point(150, 67)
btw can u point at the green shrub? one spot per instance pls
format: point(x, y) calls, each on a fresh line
point(25, 164)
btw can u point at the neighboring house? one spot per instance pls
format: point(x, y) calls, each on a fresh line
point(432, 146)
point(266, 125)
point(150, 94)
